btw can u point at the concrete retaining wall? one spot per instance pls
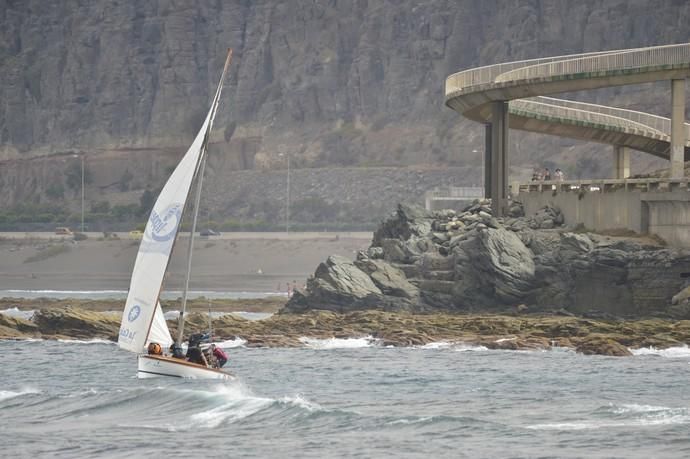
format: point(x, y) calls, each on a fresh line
point(608, 206)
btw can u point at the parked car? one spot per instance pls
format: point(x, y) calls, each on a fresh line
point(136, 234)
point(208, 232)
point(63, 230)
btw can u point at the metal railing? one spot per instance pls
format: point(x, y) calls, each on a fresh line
point(573, 64)
point(467, 192)
point(602, 185)
point(654, 56)
point(563, 111)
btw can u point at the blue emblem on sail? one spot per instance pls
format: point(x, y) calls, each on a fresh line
point(134, 313)
point(162, 229)
point(164, 226)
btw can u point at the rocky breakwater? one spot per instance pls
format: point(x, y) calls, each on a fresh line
point(471, 262)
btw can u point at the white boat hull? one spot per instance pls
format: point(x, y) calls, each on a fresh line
point(155, 366)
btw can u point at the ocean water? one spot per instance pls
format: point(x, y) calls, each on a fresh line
point(346, 398)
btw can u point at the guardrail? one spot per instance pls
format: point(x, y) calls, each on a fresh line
point(602, 185)
point(457, 192)
point(562, 111)
point(624, 59)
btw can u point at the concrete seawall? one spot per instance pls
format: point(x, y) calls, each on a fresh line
point(660, 207)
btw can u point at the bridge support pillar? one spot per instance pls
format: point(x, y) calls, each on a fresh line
point(677, 128)
point(621, 161)
point(487, 160)
point(498, 167)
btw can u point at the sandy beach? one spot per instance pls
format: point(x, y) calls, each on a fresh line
point(252, 262)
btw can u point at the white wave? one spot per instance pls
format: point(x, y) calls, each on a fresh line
point(637, 416)
point(121, 294)
point(670, 353)
point(339, 343)
point(171, 315)
point(469, 348)
point(240, 404)
point(437, 345)
point(301, 402)
point(231, 343)
point(406, 421)
point(8, 394)
point(635, 408)
point(85, 341)
point(593, 425)
point(19, 314)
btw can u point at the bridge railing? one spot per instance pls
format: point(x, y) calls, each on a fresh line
point(602, 185)
point(569, 64)
point(467, 192)
point(577, 114)
point(621, 60)
point(654, 122)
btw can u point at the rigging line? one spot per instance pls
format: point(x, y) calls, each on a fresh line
point(200, 178)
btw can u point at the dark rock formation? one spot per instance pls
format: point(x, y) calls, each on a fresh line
point(469, 261)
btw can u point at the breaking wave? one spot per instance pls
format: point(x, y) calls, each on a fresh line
point(339, 343)
point(670, 353)
point(624, 415)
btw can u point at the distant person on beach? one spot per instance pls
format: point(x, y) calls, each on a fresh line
point(220, 355)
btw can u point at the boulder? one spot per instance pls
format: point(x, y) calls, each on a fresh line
point(337, 285)
point(601, 345)
point(389, 279)
point(77, 323)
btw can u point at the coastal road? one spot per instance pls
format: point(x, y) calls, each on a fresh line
point(242, 235)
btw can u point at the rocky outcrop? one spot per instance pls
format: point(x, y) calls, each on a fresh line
point(470, 261)
point(77, 323)
point(534, 331)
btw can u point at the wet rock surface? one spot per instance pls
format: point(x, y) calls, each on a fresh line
point(612, 337)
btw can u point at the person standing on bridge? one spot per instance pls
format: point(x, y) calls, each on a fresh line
point(560, 176)
point(547, 174)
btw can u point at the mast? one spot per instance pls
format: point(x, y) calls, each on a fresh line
point(190, 250)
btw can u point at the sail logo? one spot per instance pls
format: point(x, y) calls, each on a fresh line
point(134, 313)
point(164, 225)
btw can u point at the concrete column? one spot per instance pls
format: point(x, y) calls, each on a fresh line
point(487, 161)
point(677, 128)
point(621, 161)
point(499, 163)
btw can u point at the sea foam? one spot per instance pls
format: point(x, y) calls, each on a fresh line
point(8, 394)
point(339, 343)
point(678, 352)
point(19, 314)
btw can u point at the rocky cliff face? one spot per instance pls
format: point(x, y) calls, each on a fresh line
point(347, 82)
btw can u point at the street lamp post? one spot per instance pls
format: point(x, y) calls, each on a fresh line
point(287, 194)
point(82, 193)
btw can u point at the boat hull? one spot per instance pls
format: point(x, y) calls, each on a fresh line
point(156, 366)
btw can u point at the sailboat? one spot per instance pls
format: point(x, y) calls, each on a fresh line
point(143, 322)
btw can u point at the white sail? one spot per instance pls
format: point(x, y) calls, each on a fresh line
point(159, 330)
point(157, 242)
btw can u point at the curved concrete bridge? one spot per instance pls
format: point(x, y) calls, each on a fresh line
point(496, 96)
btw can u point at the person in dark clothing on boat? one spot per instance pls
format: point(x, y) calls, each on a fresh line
point(195, 355)
point(176, 351)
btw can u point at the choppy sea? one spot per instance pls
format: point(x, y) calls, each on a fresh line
point(346, 398)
